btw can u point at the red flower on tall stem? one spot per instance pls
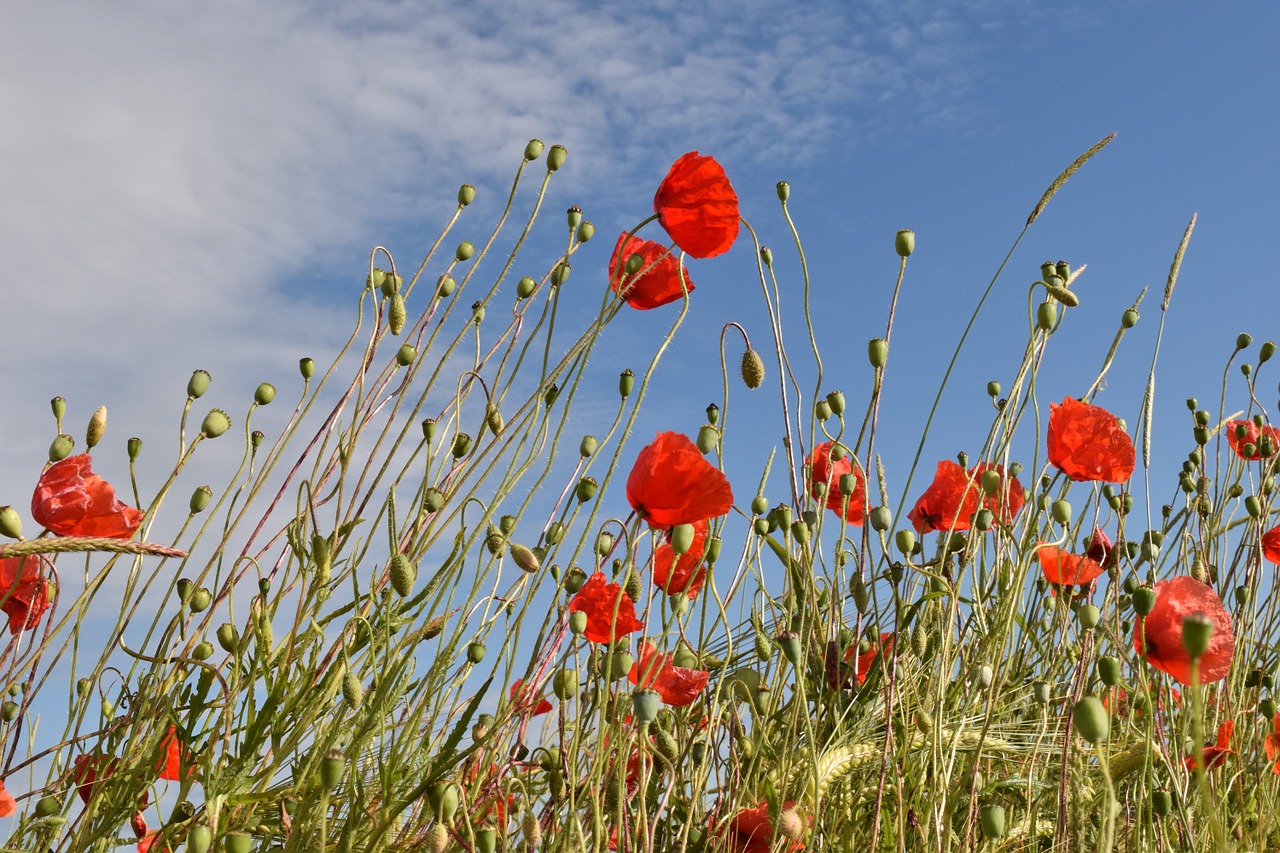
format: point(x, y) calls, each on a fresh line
point(697, 205)
point(1162, 631)
point(610, 611)
point(829, 472)
point(24, 592)
point(1214, 754)
point(1067, 569)
point(8, 805)
point(677, 685)
point(687, 573)
point(1271, 744)
point(955, 495)
point(1271, 545)
point(1241, 433)
point(658, 281)
point(840, 672)
point(525, 699)
point(671, 483)
point(751, 831)
point(71, 500)
point(177, 763)
point(1087, 443)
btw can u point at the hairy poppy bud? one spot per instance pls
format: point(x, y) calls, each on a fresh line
point(525, 287)
point(493, 419)
point(904, 243)
point(215, 423)
point(466, 195)
point(1091, 719)
point(991, 821)
point(752, 369)
point(200, 499)
point(626, 380)
point(307, 367)
point(397, 314)
point(1060, 292)
point(878, 352)
point(587, 446)
point(10, 523)
point(445, 285)
point(523, 557)
point(533, 150)
point(556, 157)
point(352, 689)
point(784, 191)
point(555, 535)
point(97, 426)
point(464, 251)
point(403, 574)
point(198, 384)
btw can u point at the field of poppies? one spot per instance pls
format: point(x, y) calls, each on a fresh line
point(430, 613)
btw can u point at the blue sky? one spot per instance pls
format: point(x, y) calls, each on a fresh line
point(198, 186)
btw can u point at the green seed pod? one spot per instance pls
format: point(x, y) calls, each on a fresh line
point(761, 526)
point(61, 448)
point(203, 650)
point(620, 664)
point(574, 216)
point(525, 287)
point(1091, 720)
point(466, 195)
point(397, 314)
point(97, 426)
point(525, 559)
point(47, 806)
point(1063, 270)
point(878, 352)
point(881, 519)
point(198, 384)
point(200, 600)
point(789, 642)
point(352, 689)
point(486, 840)
point(475, 652)
point(215, 423)
point(564, 684)
point(645, 705)
point(433, 500)
point(10, 523)
point(406, 355)
point(588, 446)
point(1161, 802)
point(993, 390)
point(429, 429)
point(9, 711)
point(494, 540)
point(983, 676)
point(784, 191)
point(1060, 293)
point(555, 533)
point(332, 768)
point(556, 157)
point(1267, 708)
point(682, 539)
point(904, 243)
point(983, 519)
point(1046, 315)
point(822, 410)
point(1109, 670)
point(626, 380)
point(307, 367)
point(1243, 340)
point(799, 531)
point(585, 232)
point(445, 285)
point(59, 407)
point(711, 550)
point(404, 573)
point(461, 445)
point(905, 540)
point(604, 544)
point(227, 637)
point(578, 622)
point(1267, 350)
point(1197, 631)
point(493, 419)
point(752, 369)
point(1041, 691)
point(560, 274)
point(200, 499)
point(1144, 600)
point(1061, 512)
point(134, 446)
point(991, 821)
point(708, 439)
point(759, 505)
point(1253, 506)
point(766, 255)
point(237, 842)
point(1088, 615)
point(586, 489)
point(533, 150)
point(464, 251)
point(861, 595)
point(633, 264)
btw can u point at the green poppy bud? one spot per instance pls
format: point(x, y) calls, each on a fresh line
point(1060, 292)
point(711, 550)
point(1046, 315)
point(708, 438)
point(432, 500)
point(429, 429)
point(10, 523)
point(1243, 340)
point(560, 274)
point(585, 232)
point(307, 367)
point(682, 539)
point(475, 652)
point(226, 635)
point(352, 689)
point(835, 400)
point(464, 251)
point(445, 285)
point(203, 650)
point(215, 423)
point(789, 642)
point(397, 315)
point(200, 499)
point(588, 446)
point(822, 410)
point(533, 150)
point(881, 519)
point(556, 157)
point(904, 243)
point(200, 600)
point(752, 369)
point(620, 664)
point(1061, 512)
point(577, 621)
point(1268, 707)
point(1253, 506)
point(525, 287)
point(555, 534)
point(1197, 631)
point(1041, 691)
point(1161, 802)
point(1242, 595)
point(1144, 600)
point(97, 426)
point(991, 821)
point(61, 448)
point(466, 195)
point(493, 419)
point(766, 255)
point(404, 573)
point(198, 384)
point(524, 558)
point(486, 840)
point(604, 544)
point(134, 446)
point(1088, 616)
point(878, 352)
point(564, 684)
point(1109, 670)
point(59, 407)
point(47, 806)
point(905, 540)
point(625, 382)
point(461, 444)
point(586, 489)
point(1091, 720)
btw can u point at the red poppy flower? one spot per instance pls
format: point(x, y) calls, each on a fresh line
point(88, 769)
point(1214, 755)
point(1176, 598)
point(24, 592)
point(657, 282)
point(697, 205)
point(177, 763)
point(148, 841)
point(953, 497)
point(1271, 545)
point(1240, 433)
point(686, 574)
point(829, 473)
point(1067, 569)
point(1100, 549)
point(1271, 744)
point(670, 484)
point(521, 699)
point(8, 805)
point(677, 685)
point(71, 500)
point(610, 611)
point(840, 670)
point(751, 831)
point(1087, 443)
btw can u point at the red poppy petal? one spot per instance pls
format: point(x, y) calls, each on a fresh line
point(1271, 545)
point(71, 500)
point(8, 805)
point(1162, 631)
point(671, 483)
point(827, 472)
point(1067, 569)
point(610, 611)
point(1087, 443)
point(659, 280)
point(697, 206)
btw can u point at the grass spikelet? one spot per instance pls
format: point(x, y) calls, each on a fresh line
point(834, 764)
point(1066, 174)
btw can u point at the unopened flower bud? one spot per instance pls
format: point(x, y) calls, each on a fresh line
point(493, 419)
point(752, 369)
point(97, 426)
point(466, 195)
point(397, 314)
point(525, 287)
point(405, 355)
point(1091, 719)
point(215, 423)
point(1046, 315)
point(533, 150)
point(585, 232)
point(464, 251)
point(198, 384)
point(200, 499)
point(556, 157)
point(878, 352)
point(525, 559)
point(991, 820)
point(61, 448)
point(306, 367)
point(445, 285)
point(587, 446)
point(10, 523)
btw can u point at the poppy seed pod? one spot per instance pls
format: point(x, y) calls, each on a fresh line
point(59, 407)
point(708, 439)
point(554, 536)
point(1267, 350)
point(202, 651)
point(10, 523)
point(564, 684)
point(645, 704)
point(560, 274)
point(61, 448)
point(397, 314)
point(878, 352)
point(200, 499)
point(586, 489)
point(1088, 616)
point(1041, 691)
point(1144, 600)
point(199, 838)
point(525, 287)
point(1197, 631)
point(752, 369)
point(464, 251)
point(789, 642)
point(445, 285)
point(1268, 707)
point(1243, 340)
point(835, 400)
point(822, 410)
point(226, 635)
point(585, 232)
point(1109, 670)
point(215, 423)
point(307, 367)
point(626, 380)
point(198, 384)
point(766, 255)
point(904, 243)
point(134, 447)
point(1091, 719)
point(1046, 315)
point(264, 394)
point(466, 195)
point(1061, 512)
point(881, 519)
point(533, 150)
point(784, 191)
point(556, 157)
point(991, 821)
point(461, 444)
point(578, 618)
point(200, 600)
point(475, 652)
point(905, 540)
point(588, 446)
point(477, 312)
point(97, 426)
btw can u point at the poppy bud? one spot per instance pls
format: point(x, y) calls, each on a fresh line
point(835, 400)
point(1109, 670)
point(134, 447)
point(445, 285)
point(1144, 600)
point(560, 274)
point(759, 505)
point(475, 652)
point(1088, 616)
point(682, 539)
point(200, 600)
point(713, 414)
point(585, 232)
point(578, 618)
point(59, 406)
point(1253, 506)
point(391, 284)
point(881, 519)
point(1061, 512)
point(878, 352)
point(991, 821)
point(1267, 350)
point(708, 438)
point(1161, 802)
point(1091, 719)
point(1046, 315)
point(822, 410)
point(307, 367)
point(1041, 692)
point(766, 255)
point(1267, 708)
point(227, 637)
point(396, 316)
point(10, 523)
point(464, 251)
point(556, 157)
point(97, 426)
point(904, 243)
point(587, 446)
point(493, 419)
point(215, 423)
point(983, 519)
point(1197, 631)
point(789, 642)
point(432, 500)
point(200, 499)
point(993, 389)
point(198, 384)
point(905, 540)
point(525, 287)
point(461, 444)
point(752, 369)
point(604, 544)
point(586, 489)
point(403, 574)
point(525, 559)
point(625, 382)
point(1063, 270)
point(1060, 293)
point(1243, 340)
point(61, 448)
